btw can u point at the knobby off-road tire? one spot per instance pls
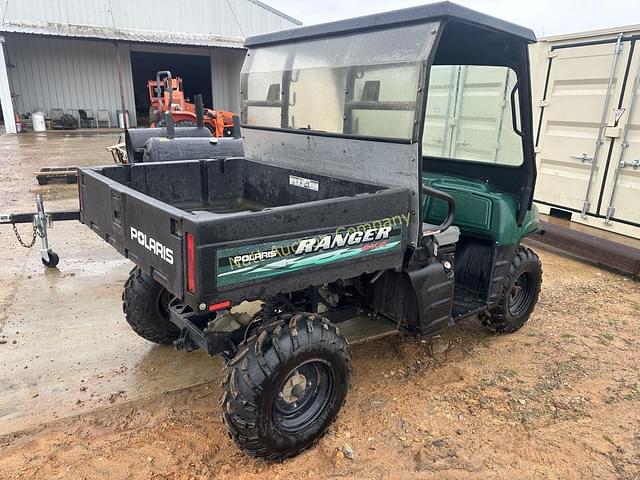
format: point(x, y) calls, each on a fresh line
point(285, 387)
point(145, 305)
point(520, 292)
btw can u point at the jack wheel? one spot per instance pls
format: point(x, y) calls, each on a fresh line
point(286, 386)
point(53, 259)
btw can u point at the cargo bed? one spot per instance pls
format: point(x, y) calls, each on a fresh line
point(213, 229)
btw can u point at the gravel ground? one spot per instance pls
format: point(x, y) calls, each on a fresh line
point(558, 399)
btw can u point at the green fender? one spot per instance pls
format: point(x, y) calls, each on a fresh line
point(480, 210)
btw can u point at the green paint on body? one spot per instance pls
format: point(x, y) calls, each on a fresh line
point(247, 263)
point(480, 210)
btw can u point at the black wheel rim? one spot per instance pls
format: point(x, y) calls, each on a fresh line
point(303, 396)
point(162, 305)
point(521, 294)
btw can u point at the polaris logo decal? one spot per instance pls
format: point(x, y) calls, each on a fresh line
point(246, 263)
point(255, 256)
point(373, 237)
point(339, 240)
point(152, 245)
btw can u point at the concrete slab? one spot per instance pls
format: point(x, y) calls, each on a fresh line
point(68, 347)
point(65, 347)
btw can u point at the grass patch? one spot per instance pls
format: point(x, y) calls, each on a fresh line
point(606, 338)
point(636, 307)
point(567, 336)
point(509, 372)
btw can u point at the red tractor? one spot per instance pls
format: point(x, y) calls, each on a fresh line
point(166, 93)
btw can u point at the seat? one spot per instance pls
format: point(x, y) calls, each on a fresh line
point(86, 120)
point(449, 237)
point(103, 117)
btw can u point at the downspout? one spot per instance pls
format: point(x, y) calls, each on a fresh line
point(5, 93)
point(123, 104)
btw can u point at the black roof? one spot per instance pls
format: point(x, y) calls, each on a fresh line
point(420, 14)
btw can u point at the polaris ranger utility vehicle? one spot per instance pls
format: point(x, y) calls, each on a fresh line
point(386, 187)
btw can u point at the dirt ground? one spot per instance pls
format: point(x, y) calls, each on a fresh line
point(558, 399)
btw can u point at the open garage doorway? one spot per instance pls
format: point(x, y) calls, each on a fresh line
point(195, 71)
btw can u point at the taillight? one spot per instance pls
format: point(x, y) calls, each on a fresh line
point(191, 263)
point(224, 305)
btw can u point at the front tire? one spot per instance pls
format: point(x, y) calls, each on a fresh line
point(520, 293)
point(286, 386)
point(145, 304)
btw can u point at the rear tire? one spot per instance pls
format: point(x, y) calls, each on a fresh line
point(145, 304)
point(520, 293)
point(286, 386)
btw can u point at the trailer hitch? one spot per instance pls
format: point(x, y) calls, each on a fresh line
point(192, 337)
point(41, 221)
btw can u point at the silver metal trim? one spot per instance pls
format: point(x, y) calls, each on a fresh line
point(623, 147)
point(603, 120)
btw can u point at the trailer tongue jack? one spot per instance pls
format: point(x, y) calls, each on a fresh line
point(41, 221)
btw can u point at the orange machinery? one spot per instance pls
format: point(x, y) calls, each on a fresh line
point(166, 91)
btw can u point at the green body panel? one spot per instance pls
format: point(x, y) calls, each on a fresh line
point(480, 210)
point(251, 262)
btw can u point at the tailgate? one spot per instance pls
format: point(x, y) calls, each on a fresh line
point(145, 230)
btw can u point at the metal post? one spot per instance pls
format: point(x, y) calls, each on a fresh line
point(599, 140)
point(5, 94)
point(41, 224)
point(199, 111)
point(623, 147)
point(123, 104)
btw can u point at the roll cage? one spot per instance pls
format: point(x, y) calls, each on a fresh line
point(455, 35)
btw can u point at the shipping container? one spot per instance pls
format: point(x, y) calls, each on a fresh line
point(587, 128)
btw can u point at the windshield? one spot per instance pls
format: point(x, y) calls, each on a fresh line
point(364, 84)
point(470, 114)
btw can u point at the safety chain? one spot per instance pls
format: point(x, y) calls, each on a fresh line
point(36, 233)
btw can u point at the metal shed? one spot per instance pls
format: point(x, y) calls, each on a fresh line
point(587, 120)
point(74, 54)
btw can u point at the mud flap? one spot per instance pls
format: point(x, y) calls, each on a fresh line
point(433, 286)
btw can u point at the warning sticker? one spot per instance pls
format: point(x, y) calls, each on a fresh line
point(304, 183)
point(618, 112)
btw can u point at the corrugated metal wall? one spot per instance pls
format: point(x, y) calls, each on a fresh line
point(226, 64)
point(49, 73)
point(231, 19)
point(74, 74)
